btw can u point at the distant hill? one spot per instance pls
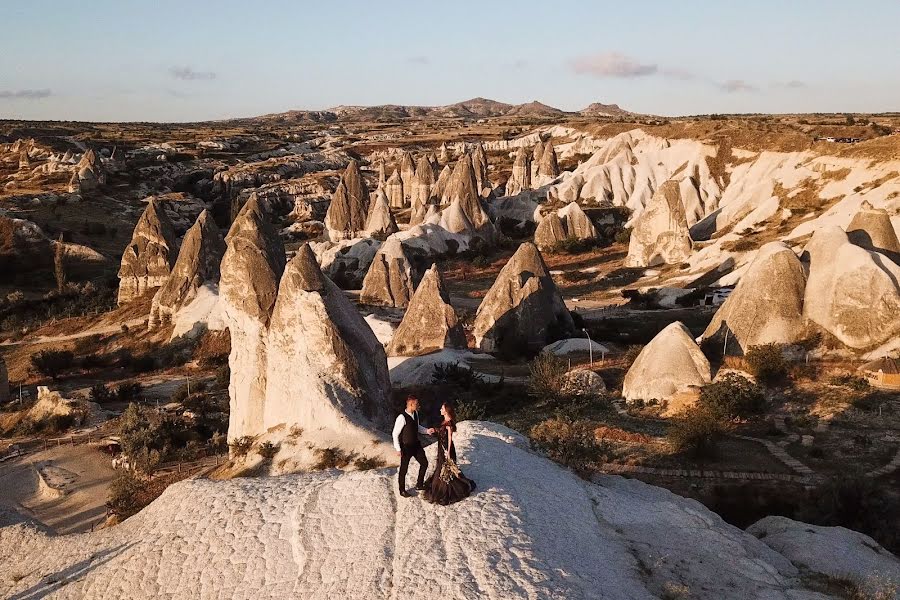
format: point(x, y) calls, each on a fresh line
point(475, 108)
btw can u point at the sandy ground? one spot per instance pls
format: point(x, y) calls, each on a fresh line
point(84, 503)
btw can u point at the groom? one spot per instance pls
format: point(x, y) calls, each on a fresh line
point(406, 441)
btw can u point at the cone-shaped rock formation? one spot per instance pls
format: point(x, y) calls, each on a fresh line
point(660, 234)
point(672, 362)
point(430, 323)
point(148, 259)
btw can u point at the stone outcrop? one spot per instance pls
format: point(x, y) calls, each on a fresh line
point(443, 154)
point(479, 167)
point(671, 363)
point(537, 153)
point(391, 279)
point(548, 167)
point(408, 175)
point(660, 234)
point(550, 232)
point(251, 269)
point(578, 224)
point(871, 229)
point(380, 223)
point(327, 372)
point(523, 311)
point(349, 208)
point(430, 323)
point(89, 173)
point(423, 182)
point(767, 304)
point(197, 266)
point(346, 262)
point(463, 189)
point(851, 292)
point(394, 190)
point(148, 259)
point(520, 178)
point(439, 191)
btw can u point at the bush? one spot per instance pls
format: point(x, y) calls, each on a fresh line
point(124, 494)
point(572, 245)
point(623, 236)
point(456, 374)
point(480, 261)
point(733, 396)
point(631, 354)
point(52, 362)
point(332, 458)
point(267, 450)
point(101, 394)
point(697, 432)
point(547, 379)
point(367, 463)
point(859, 384)
point(241, 446)
point(567, 441)
point(767, 363)
point(127, 392)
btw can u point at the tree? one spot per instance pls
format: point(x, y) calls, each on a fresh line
point(59, 267)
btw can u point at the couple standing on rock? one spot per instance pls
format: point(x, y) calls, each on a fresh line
point(447, 484)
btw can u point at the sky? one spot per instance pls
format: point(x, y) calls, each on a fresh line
point(186, 60)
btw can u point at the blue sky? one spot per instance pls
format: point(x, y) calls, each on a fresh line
point(193, 59)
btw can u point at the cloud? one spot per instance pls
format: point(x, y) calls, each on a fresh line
point(793, 84)
point(519, 63)
point(612, 64)
point(676, 73)
point(189, 74)
point(418, 60)
point(733, 86)
point(25, 94)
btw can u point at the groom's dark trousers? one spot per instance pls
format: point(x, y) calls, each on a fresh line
point(406, 453)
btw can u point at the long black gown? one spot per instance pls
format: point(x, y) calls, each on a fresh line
point(443, 492)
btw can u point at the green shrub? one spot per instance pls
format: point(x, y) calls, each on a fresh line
point(101, 394)
point(623, 236)
point(572, 245)
point(767, 363)
point(125, 494)
point(480, 261)
point(859, 384)
point(547, 377)
point(456, 374)
point(697, 432)
point(52, 362)
point(631, 354)
point(567, 441)
point(332, 458)
point(733, 396)
point(128, 391)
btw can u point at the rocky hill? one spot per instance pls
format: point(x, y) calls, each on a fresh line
point(532, 530)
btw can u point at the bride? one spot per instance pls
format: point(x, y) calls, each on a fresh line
point(447, 484)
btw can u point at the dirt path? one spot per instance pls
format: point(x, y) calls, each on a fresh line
point(83, 504)
point(74, 336)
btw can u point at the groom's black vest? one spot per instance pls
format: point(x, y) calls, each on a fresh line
point(409, 435)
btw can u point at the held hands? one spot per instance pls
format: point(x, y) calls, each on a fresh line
point(431, 430)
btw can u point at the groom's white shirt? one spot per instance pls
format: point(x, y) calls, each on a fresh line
point(398, 427)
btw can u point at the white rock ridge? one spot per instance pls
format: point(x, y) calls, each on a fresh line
point(660, 234)
point(532, 530)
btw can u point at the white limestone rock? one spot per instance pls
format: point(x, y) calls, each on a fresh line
point(407, 175)
point(346, 262)
point(430, 323)
point(349, 208)
point(251, 269)
point(660, 234)
point(871, 229)
point(148, 259)
point(852, 293)
point(550, 232)
point(326, 371)
point(672, 362)
point(391, 279)
point(520, 178)
point(394, 190)
point(380, 222)
point(523, 311)
point(578, 224)
point(197, 266)
point(767, 304)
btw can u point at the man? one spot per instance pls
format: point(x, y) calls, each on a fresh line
point(406, 442)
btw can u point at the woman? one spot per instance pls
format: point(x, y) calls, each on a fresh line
point(447, 484)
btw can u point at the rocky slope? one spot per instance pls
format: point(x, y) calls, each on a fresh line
point(531, 530)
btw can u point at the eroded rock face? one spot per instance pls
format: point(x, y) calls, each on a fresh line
point(443, 154)
point(767, 304)
point(439, 191)
point(346, 262)
point(871, 229)
point(327, 372)
point(537, 153)
point(89, 172)
point(660, 234)
point(548, 167)
point(408, 175)
point(394, 190)
point(672, 362)
point(479, 167)
point(430, 323)
point(251, 269)
point(423, 182)
point(148, 260)
point(523, 311)
point(550, 232)
point(197, 265)
point(380, 223)
point(463, 189)
point(852, 293)
point(391, 279)
point(349, 208)
point(578, 224)
point(520, 179)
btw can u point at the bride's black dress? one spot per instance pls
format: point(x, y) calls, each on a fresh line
point(439, 491)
